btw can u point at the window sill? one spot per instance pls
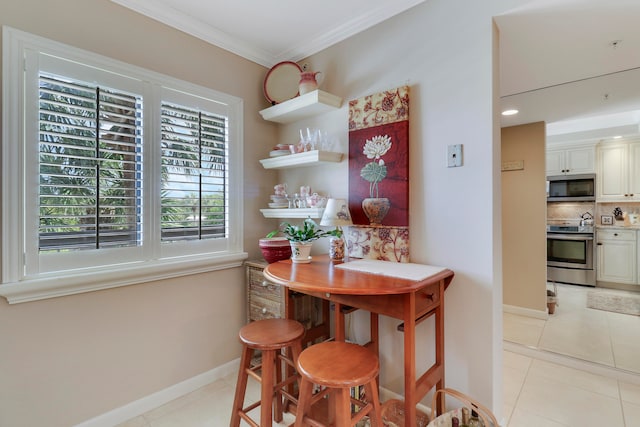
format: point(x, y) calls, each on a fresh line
point(116, 276)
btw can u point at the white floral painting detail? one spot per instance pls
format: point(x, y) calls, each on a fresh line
point(375, 171)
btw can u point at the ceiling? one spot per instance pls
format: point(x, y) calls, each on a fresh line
point(562, 61)
point(574, 64)
point(268, 32)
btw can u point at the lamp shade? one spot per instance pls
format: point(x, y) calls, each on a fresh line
point(336, 213)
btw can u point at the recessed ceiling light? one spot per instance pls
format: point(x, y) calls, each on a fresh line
point(617, 137)
point(509, 112)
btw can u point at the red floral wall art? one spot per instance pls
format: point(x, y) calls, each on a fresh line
point(379, 175)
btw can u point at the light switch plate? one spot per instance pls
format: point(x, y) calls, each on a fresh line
point(454, 155)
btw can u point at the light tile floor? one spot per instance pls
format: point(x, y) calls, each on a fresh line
point(536, 393)
point(541, 388)
point(209, 406)
point(544, 394)
point(611, 339)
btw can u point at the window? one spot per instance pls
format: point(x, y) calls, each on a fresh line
point(112, 174)
point(193, 185)
point(90, 163)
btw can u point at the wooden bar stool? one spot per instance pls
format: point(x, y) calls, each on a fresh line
point(270, 337)
point(338, 366)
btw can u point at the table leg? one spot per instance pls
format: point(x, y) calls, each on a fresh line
point(289, 304)
point(410, 396)
point(290, 313)
point(440, 346)
point(339, 322)
point(374, 334)
point(375, 342)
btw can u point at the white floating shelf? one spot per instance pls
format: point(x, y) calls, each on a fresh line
point(292, 213)
point(303, 106)
point(301, 159)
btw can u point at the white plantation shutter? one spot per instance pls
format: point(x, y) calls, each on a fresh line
point(113, 174)
point(90, 166)
point(195, 174)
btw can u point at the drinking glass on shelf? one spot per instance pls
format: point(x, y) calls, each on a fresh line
point(327, 142)
point(312, 138)
point(309, 139)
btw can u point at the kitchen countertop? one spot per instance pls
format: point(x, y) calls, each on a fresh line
point(618, 227)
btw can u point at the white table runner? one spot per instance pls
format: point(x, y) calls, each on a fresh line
point(409, 271)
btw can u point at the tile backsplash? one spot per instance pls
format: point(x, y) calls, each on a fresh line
point(607, 209)
point(573, 210)
point(569, 210)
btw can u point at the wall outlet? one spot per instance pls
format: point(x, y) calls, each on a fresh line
point(454, 155)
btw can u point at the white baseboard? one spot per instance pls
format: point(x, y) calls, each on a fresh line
point(155, 400)
point(528, 312)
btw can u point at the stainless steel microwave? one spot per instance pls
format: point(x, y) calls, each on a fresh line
point(571, 188)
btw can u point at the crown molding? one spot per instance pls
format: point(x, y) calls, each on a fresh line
point(309, 46)
point(187, 24)
point(302, 49)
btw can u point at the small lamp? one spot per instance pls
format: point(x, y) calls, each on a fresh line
point(336, 214)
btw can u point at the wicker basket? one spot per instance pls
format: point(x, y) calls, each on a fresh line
point(393, 414)
point(444, 420)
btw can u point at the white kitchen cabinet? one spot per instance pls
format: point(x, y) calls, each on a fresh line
point(634, 170)
point(617, 256)
point(300, 107)
point(570, 161)
point(618, 178)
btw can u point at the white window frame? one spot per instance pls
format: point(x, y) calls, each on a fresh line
point(151, 261)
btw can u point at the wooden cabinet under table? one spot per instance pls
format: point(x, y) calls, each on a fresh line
point(266, 300)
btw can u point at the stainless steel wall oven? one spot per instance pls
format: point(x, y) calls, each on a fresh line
point(571, 254)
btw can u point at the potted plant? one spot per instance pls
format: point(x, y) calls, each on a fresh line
point(301, 238)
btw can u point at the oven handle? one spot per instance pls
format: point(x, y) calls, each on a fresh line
point(569, 237)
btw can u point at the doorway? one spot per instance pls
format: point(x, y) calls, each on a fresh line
point(554, 84)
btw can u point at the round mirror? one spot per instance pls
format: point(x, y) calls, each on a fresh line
point(281, 82)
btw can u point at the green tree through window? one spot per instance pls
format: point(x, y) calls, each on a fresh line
point(90, 166)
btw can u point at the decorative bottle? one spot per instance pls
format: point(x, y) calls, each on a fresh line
point(464, 422)
point(474, 420)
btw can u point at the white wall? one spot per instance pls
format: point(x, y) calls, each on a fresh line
point(66, 360)
point(130, 342)
point(524, 217)
point(446, 51)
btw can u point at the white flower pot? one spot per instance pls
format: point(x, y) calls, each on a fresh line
point(300, 252)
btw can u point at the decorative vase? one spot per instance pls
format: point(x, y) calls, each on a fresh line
point(300, 252)
point(308, 82)
point(336, 249)
point(376, 209)
point(275, 249)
